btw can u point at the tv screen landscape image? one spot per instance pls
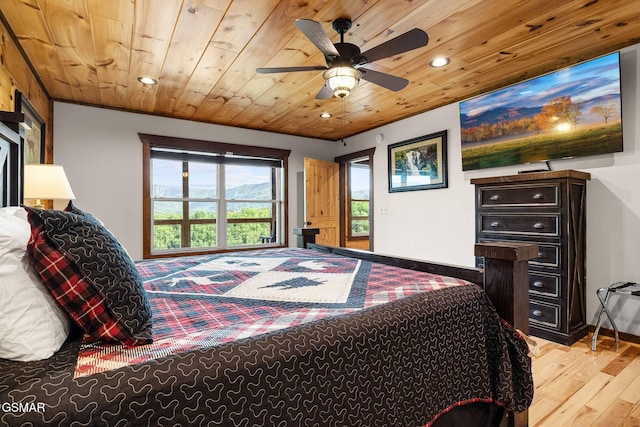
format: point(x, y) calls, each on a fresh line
point(575, 111)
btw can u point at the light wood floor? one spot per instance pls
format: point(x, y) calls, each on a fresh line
point(575, 386)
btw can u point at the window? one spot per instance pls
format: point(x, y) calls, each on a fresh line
point(184, 202)
point(208, 197)
point(358, 176)
point(252, 200)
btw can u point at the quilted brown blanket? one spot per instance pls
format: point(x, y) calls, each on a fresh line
point(384, 352)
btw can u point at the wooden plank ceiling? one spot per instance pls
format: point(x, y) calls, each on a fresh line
point(204, 54)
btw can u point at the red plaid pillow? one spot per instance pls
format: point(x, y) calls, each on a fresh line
point(112, 308)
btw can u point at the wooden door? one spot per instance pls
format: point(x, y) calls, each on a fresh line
point(321, 197)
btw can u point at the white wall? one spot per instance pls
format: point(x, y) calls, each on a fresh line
point(102, 154)
point(439, 224)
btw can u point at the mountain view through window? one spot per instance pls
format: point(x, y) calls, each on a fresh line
point(212, 204)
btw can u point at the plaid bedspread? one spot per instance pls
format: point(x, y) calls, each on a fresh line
point(251, 339)
point(203, 301)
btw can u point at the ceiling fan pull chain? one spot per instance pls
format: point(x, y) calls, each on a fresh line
point(343, 121)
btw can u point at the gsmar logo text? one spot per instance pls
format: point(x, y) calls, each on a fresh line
point(22, 407)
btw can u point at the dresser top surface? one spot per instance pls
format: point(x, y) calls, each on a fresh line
point(533, 176)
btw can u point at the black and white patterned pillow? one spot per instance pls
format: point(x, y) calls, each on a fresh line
point(99, 285)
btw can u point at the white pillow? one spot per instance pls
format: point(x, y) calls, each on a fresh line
point(32, 324)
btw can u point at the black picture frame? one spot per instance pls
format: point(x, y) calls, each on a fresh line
point(419, 163)
point(32, 132)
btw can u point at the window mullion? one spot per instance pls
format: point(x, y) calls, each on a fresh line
point(186, 229)
point(349, 202)
point(221, 225)
point(273, 228)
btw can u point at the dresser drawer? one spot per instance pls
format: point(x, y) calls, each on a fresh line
point(547, 225)
point(543, 284)
point(547, 195)
point(548, 256)
point(544, 314)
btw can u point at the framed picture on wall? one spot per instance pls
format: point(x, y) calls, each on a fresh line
point(32, 131)
point(418, 163)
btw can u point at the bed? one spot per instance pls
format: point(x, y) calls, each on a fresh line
point(313, 336)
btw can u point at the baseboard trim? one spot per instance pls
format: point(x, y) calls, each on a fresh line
point(610, 333)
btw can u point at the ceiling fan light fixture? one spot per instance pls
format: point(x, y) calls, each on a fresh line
point(342, 80)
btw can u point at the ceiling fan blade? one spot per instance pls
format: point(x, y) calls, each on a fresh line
point(289, 69)
point(314, 32)
point(325, 93)
point(410, 40)
point(385, 80)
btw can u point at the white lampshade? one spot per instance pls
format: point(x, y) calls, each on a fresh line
point(47, 182)
point(342, 80)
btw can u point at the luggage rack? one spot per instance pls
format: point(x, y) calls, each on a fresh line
point(622, 288)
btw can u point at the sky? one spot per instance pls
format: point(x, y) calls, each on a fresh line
point(203, 175)
point(360, 179)
point(591, 79)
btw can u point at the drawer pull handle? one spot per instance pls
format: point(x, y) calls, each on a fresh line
point(538, 196)
point(537, 313)
point(538, 226)
point(538, 284)
point(495, 198)
point(495, 224)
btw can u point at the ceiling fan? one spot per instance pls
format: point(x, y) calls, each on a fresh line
point(345, 62)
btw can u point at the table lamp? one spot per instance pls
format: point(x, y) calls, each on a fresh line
point(46, 182)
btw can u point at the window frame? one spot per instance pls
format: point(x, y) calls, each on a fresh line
point(345, 195)
point(151, 142)
point(350, 218)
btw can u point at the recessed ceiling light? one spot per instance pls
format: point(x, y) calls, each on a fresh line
point(147, 81)
point(325, 115)
point(439, 62)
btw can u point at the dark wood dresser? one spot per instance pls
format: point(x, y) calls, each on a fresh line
point(547, 208)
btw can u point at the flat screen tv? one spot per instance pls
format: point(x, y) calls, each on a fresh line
point(575, 111)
